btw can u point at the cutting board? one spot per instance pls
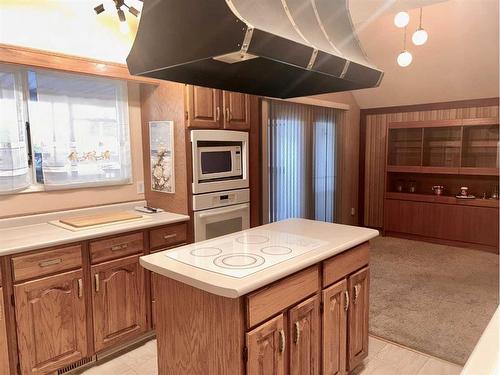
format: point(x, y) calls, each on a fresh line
point(98, 219)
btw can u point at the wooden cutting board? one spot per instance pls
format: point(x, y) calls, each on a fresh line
point(89, 220)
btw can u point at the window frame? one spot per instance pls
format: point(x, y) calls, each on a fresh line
point(34, 185)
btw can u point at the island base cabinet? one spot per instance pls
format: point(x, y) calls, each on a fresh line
point(4, 354)
point(266, 346)
point(304, 328)
point(335, 302)
point(357, 319)
point(119, 303)
point(51, 322)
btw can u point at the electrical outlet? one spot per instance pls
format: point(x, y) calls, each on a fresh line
point(353, 211)
point(140, 187)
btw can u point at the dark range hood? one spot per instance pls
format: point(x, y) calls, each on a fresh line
point(275, 48)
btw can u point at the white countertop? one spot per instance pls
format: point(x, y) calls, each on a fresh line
point(485, 359)
point(26, 233)
point(329, 239)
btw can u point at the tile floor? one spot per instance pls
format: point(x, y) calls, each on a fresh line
point(384, 358)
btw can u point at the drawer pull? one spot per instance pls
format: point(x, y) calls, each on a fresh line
point(80, 288)
point(282, 344)
point(169, 236)
point(296, 338)
point(96, 279)
point(346, 295)
point(50, 262)
point(119, 247)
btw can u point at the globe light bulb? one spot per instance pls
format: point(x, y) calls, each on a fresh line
point(124, 27)
point(419, 37)
point(401, 19)
point(404, 59)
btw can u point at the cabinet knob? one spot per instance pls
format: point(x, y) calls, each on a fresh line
point(282, 344)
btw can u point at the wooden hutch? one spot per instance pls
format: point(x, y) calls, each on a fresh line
point(450, 153)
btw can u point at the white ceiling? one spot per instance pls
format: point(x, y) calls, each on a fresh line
point(459, 61)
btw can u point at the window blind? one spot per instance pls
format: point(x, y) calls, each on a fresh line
point(14, 170)
point(301, 161)
point(79, 129)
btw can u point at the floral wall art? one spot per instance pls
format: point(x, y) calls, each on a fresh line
point(161, 145)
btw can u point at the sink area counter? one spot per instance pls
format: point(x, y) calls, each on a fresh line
point(20, 234)
point(236, 264)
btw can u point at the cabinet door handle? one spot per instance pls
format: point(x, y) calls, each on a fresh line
point(357, 288)
point(50, 262)
point(169, 236)
point(346, 295)
point(96, 279)
point(228, 114)
point(119, 247)
point(217, 113)
point(296, 337)
point(80, 288)
point(282, 345)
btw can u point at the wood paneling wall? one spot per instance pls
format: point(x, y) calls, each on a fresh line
point(166, 102)
point(374, 128)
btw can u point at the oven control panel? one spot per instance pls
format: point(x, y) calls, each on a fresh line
point(220, 199)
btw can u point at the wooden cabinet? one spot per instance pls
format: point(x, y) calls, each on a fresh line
point(4, 353)
point(236, 111)
point(119, 303)
point(51, 322)
point(357, 318)
point(266, 346)
point(441, 220)
point(203, 107)
point(208, 108)
point(335, 306)
point(304, 329)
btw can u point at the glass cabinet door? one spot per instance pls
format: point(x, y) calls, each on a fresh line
point(405, 147)
point(442, 147)
point(480, 146)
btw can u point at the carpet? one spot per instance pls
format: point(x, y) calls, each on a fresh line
point(433, 298)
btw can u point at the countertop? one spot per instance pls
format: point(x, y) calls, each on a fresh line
point(485, 358)
point(26, 233)
point(334, 238)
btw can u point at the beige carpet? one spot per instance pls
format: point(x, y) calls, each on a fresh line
point(433, 298)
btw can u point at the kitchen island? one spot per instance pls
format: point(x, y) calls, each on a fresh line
point(268, 300)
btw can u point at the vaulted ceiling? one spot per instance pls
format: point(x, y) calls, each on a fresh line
point(459, 61)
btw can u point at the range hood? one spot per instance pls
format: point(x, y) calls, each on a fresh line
point(275, 48)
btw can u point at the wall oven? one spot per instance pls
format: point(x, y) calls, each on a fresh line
point(217, 214)
point(220, 160)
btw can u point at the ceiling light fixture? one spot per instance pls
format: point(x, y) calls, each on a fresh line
point(124, 28)
point(401, 19)
point(404, 58)
point(420, 36)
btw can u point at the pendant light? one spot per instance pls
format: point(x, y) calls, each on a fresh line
point(401, 19)
point(404, 58)
point(420, 36)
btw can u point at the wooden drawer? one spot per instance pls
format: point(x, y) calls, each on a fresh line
point(280, 295)
point(116, 247)
point(167, 236)
point(345, 263)
point(46, 262)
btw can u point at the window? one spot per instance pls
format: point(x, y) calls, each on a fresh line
point(77, 129)
point(301, 161)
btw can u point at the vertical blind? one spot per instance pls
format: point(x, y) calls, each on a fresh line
point(302, 160)
point(79, 129)
point(14, 171)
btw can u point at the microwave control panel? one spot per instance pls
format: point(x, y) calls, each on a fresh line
point(237, 159)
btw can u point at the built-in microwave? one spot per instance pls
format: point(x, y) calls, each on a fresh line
point(220, 160)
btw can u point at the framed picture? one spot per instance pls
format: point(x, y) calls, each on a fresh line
point(161, 153)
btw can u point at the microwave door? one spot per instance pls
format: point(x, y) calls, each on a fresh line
point(221, 221)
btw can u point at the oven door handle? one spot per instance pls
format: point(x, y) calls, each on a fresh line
point(204, 215)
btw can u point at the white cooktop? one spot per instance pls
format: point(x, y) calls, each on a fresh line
point(243, 254)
